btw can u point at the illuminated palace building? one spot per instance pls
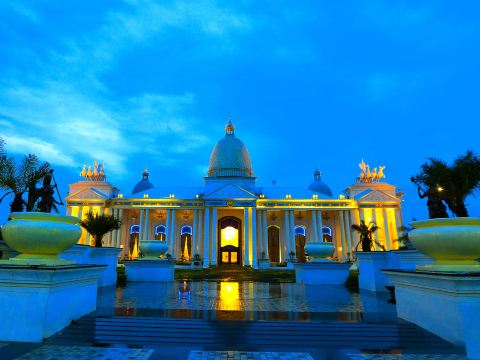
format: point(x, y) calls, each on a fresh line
point(232, 220)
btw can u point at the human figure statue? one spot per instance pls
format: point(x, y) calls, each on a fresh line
point(436, 207)
point(46, 193)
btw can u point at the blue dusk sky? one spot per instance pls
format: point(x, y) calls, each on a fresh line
point(144, 83)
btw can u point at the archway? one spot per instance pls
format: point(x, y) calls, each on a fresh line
point(274, 244)
point(230, 241)
point(300, 234)
point(133, 243)
point(186, 243)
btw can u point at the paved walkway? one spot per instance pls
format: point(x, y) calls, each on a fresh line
point(228, 320)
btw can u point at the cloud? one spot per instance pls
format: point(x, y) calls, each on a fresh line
point(42, 149)
point(66, 113)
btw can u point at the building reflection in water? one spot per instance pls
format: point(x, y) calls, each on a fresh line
point(237, 300)
point(229, 296)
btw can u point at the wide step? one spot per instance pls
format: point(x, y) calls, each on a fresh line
point(152, 332)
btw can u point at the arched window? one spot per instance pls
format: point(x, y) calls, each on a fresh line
point(327, 234)
point(134, 229)
point(299, 230)
point(133, 243)
point(186, 230)
point(161, 232)
point(300, 233)
point(186, 243)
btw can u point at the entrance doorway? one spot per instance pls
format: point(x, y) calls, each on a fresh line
point(274, 244)
point(230, 235)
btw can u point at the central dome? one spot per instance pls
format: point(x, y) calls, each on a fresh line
point(230, 157)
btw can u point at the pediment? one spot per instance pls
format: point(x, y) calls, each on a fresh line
point(376, 196)
point(231, 191)
point(88, 194)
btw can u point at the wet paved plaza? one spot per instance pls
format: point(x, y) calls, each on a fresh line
point(260, 314)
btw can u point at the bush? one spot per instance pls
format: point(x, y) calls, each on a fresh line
point(352, 281)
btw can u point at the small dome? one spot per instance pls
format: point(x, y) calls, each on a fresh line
point(230, 157)
point(319, 186)
point(143, 184)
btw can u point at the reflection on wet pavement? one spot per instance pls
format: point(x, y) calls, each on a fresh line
point(244, 300)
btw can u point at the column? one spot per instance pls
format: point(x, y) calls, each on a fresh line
point(387, 230)
point(342, 235)
point(199, 233)
point(353, 242)
point(361, 213)
point(292, 236)
point(320, 226)
point(194, 233)
point(112, 237)
point(147, 225)
point(260, 242)
point(206, 239)
point(254, 238)
point(118, 240)
point(265, 233)
point(168, 231)
point(173, 232)
point(286, 247)
point(348, 234)
point(142, 225)
point(214, 237)
point(399, 222)
point(314, 230)
point(246, 237)
point(375, 234)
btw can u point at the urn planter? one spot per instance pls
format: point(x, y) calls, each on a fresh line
point(153, 249)
point(40, 237)
point(453, 243)
point(319, 251)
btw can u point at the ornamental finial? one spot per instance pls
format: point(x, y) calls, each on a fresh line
point(230, 128)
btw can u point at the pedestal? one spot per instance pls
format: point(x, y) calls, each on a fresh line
point(78, 253)
point(446, 304)
point(150, 270)
point(322, 273)
point(408, 259)
point(37, 302)
point(263, 264)
point(370, 266)
point(105, 256)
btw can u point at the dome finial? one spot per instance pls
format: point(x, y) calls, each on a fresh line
point(230, 128)
point(145, 174)
point(316, 173)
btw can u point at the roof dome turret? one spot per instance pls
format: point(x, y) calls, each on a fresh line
point(230, 156)
point(143, 184)
point(319, 186)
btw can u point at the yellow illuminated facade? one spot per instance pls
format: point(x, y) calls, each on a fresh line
point(232, 220)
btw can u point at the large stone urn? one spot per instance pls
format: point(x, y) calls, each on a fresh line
point(153, 249)
point(40, 237)
point(453, 243)
point(319, 251)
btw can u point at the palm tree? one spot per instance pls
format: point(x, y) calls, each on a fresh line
point(452, 184)
point(16, 179)
point(366, 235)
point(100, 225)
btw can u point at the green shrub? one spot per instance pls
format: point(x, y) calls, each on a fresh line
point(352, 281)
